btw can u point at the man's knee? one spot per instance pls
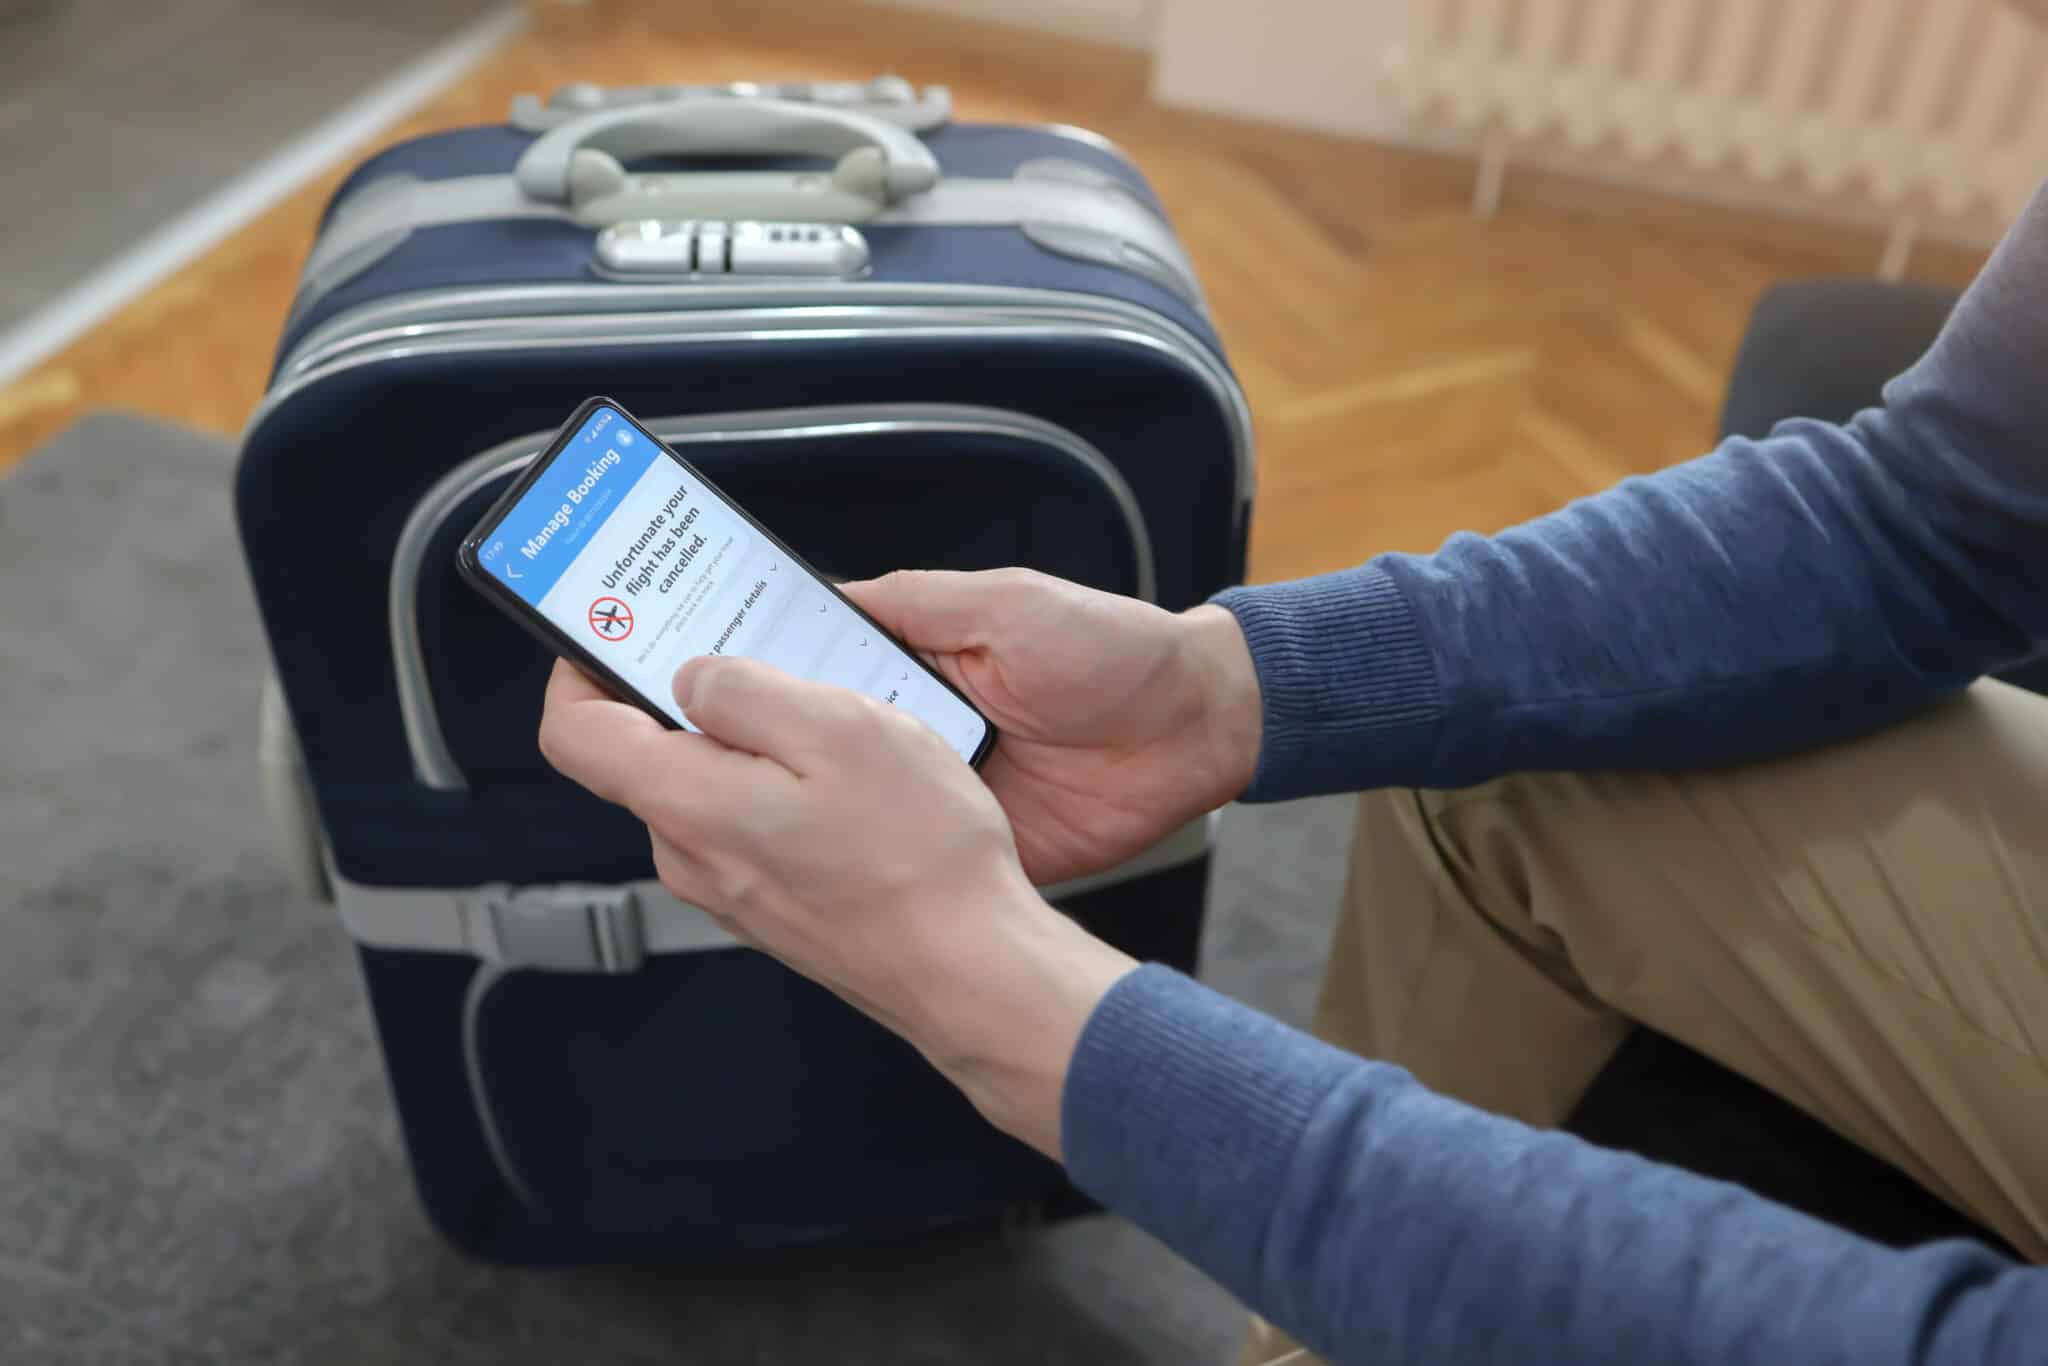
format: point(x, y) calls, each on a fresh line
point(1390, 830)
point(1440, 966)
point(1530, 875)
point(1469, 851)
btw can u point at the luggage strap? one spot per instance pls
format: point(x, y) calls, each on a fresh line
point(589, 927)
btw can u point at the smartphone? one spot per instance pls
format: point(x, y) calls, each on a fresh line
point(622, 557)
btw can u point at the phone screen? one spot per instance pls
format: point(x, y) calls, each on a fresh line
point(627, 552)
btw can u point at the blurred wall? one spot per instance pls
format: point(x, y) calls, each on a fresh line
point(1127, 23)
point(1316, 64)
point(1307, 62)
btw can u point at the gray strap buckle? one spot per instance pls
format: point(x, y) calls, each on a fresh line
point(562, 929)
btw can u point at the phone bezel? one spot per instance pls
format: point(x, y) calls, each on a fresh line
point(470, 567)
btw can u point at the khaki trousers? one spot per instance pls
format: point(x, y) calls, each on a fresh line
point(1862, 929)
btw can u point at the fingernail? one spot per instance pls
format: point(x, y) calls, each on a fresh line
point(685, 685)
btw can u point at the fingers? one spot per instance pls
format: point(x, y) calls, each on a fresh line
point(753, 707)
point(625, 756)
point(679, 872)
point(685, 876)
point(939, 609)
point(567, 683)
point(590, 736)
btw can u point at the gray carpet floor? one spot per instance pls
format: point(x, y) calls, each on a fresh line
point(198, 1159)
point(116, 115)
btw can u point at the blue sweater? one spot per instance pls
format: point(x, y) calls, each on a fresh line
point(1818, 584)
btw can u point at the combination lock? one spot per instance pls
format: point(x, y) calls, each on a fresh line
point(707, 248)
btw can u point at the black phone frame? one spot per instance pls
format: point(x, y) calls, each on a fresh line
point(562, 643)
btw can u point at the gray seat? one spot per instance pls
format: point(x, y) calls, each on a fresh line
point(1824, 349)
point(1821, 349)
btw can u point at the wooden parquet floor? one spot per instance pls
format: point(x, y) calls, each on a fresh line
point(1412, 373)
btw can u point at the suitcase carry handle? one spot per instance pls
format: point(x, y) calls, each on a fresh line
point(890, 98)
point(878, 160)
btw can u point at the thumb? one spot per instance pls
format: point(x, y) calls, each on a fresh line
point(940, 610)
point(758, 708)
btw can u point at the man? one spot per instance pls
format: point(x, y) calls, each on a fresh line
point(1862, 927)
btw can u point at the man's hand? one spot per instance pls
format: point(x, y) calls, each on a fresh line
point(848, 840)
point(1120, 722)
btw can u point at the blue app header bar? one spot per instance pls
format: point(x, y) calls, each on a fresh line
point(555, 518)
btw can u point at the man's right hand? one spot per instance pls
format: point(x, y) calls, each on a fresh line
point(1120, 721)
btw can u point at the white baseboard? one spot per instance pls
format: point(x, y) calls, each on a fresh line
point(51, 327)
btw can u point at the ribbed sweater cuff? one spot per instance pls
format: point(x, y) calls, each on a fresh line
point(1183, 1109)
point(1349, 689)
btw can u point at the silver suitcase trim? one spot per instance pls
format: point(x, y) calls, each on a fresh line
point(432, 762)
point(511, 317)
point(459, 319)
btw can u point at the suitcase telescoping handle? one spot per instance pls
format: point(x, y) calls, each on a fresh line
point(885, 97)
point(578, 164)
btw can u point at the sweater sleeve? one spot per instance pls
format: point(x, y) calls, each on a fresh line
point(1380, 1223)
point(1775, 594)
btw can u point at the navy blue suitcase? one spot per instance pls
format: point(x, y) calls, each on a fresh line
point(899, 342)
